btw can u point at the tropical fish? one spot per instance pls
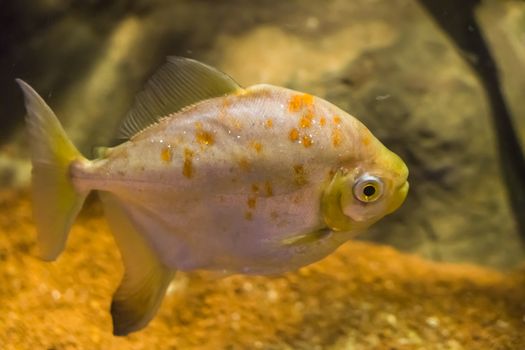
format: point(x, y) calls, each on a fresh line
point(213, 176)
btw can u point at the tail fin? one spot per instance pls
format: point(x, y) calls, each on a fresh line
point(55, 201)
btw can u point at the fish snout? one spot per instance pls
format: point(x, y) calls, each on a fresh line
point(398, 197)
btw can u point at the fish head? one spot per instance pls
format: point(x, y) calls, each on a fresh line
point(365, 189)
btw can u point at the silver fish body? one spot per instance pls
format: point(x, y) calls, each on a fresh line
point(257, 181)
point(224, 183)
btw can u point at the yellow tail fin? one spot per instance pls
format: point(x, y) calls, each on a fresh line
point(55, 201)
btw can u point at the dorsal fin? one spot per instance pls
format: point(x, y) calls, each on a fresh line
point(180, 82)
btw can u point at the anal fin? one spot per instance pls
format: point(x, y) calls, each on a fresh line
point(146, 278)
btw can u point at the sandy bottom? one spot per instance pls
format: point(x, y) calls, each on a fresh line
point(362, 297)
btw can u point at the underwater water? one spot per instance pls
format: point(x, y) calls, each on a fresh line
point(445, 271)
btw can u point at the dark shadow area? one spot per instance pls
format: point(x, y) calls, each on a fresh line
point(458, 20)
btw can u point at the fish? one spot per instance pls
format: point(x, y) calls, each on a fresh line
point(212, 176)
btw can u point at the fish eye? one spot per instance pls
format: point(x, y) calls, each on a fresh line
point(368, 188)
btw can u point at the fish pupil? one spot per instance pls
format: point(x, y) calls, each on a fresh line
point(369, 190)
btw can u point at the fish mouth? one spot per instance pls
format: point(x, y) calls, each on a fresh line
point(399, 197)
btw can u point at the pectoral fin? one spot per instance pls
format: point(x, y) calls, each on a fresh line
point(145, 280)
point(307, 238)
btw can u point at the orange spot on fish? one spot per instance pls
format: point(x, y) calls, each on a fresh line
point(366, 140)
point(187, 169)
point(255, 188)
point(257, 146)
point(294, 135)
point(165, 154)
point(268, 123)
point(337, 120)
point(300, 175)
point(252, 202)
point(274, 215)
point(205, 138)
point(268, 188)
point(248, 215)
point(336, 137)
point(306, 120)
point(295, 103)
point(299, 101)
point(307, 141)
point(244, 164)
point(308, 100)
point(322, 121)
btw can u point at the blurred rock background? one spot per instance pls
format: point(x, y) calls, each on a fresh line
point(387, 63)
